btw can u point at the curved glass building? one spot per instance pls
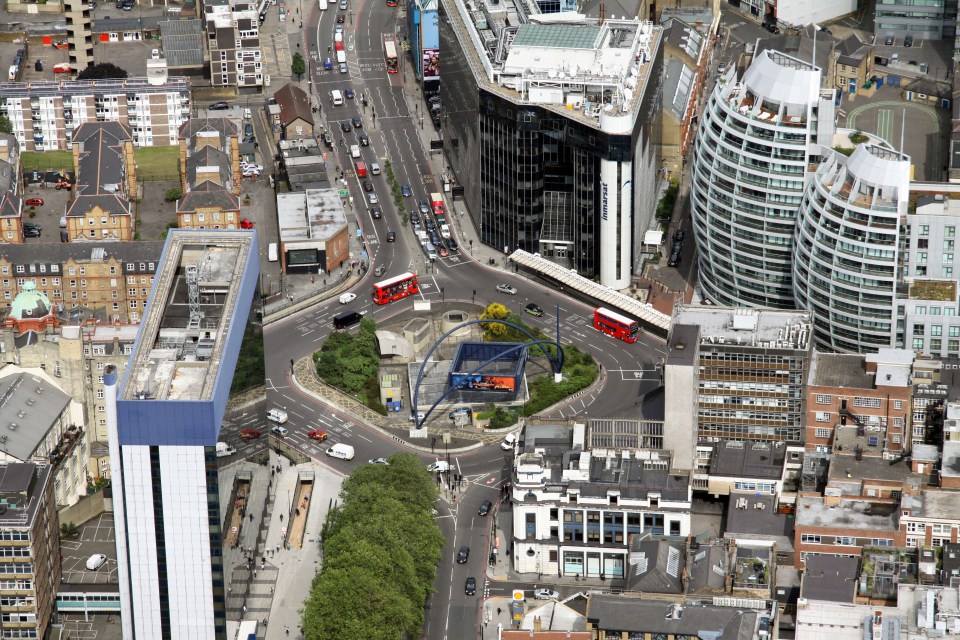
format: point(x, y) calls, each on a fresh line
point(846, 255)
point(758, 143)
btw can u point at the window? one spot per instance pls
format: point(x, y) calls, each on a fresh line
point(898, 404)
point(809, 538)
point(823, 433)
point(873, 403)
point(133, 304)
point(823, 398)
point(847, 541)
point(936, 330)
point(823, 416)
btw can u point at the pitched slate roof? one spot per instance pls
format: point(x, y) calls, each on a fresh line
point(208, 194)
point(100, 162)
point(209, 156)
point(223, 126)
point(11, 206)
point(294, 103)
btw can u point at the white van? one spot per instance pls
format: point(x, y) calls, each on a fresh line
point(272, 254)
point(337, 97)
point(342, 57)
point(276, 415)
point(508, 442)
point(341, 451)
point(440, 465)
point(354, 151)
point(95, 561)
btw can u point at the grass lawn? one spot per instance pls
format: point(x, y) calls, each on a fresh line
point(47, 160)
point(158, 164)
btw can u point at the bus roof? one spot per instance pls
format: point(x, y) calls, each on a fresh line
point(389, 49)
point(613, 315)
point(394, 280)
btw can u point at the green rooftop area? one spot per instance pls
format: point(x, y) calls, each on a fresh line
point(942, 290)
point(561, 36)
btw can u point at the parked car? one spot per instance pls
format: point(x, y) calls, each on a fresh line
point(505, 288)
point(31, 230)
point(246, 224)
point(247, 113)
point(674, 259)
point(62, 67)
point(155, 54)
point(908, 41)
point(533, 309)
point(63, 184)
point(460, 411)
point(679, 235)
point(888, 41)
point(348, 93)
point(546, 594)
point(249, 434)
point(318, 434)
point(348, 297)
point(463, 554)
point(219, 106)
point(33, 202)
point(96, 561)
point(485, 507)
point(405, 190)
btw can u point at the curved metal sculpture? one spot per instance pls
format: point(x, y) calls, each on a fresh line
point(557, 363)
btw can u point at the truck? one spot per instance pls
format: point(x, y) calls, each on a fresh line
point(436, 200)
point(341, 451)
point(224, 450)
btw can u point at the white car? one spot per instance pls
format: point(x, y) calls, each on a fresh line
point(251, 172)
point(155, 54)
point(280, 431)
point(283, 15)
point(251, 166)
point(336, 29)
point(95, 561)
point(508, 442)
point(505, 288)
point(546, 594)
point(247, 114)
point(372, 198)
point(379, 461)
point(348, 297)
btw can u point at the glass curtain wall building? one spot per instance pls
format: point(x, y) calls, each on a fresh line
point(759, 141)
point(847, 251)
point(552, 131)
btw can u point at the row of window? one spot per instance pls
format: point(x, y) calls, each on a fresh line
point(811, 538)
point(858, 401)
point(72, 271)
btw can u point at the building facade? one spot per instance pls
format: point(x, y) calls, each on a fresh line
point(847, 249)
point(758, 137)
point(164, 422)
point(563, 158)
point(233, 41)
point(79, 36)
point(45, 114)
point(927, 20)
point(423, 25)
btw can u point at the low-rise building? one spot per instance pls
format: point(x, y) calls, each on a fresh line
point(217, 137)
point(11, 218)
point(296, 117)
point(106, 176)
point(842, 527)
point(45, 114)
point(208, 206)
point(738, 467)
point(930, 519)
point(314, 237)
point(756, 521)
point(575, 512)
point(305, 165)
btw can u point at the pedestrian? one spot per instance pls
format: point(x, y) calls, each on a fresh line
point(244, 608)
point(281, 517)
point(499, 611)
point(278, 548)
point(271, 590)
point(288, 630)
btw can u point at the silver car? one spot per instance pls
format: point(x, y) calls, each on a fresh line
point(505, 288)
point(372, 198)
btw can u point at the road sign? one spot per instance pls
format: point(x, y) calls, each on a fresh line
point(344, 193)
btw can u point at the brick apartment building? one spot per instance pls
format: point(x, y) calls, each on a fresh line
point(869, 392)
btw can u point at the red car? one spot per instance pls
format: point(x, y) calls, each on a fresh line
point(249, 434)
point(246, 224)
point(33, 202)
point(63, 67)
point(318, 434)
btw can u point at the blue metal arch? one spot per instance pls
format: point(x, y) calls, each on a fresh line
point(557, 364)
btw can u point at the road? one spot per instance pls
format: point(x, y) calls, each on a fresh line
point(630, 370)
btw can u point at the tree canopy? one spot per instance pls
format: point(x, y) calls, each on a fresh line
point(298, 67)
point(5, 125)
point(102, 71)
point(381, 547)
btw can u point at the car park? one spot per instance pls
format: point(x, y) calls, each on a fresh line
point(218, 106)
point(317, 434)
point(250, 434)
point(372, 198)
point(391, 236)
point(505, 288)
point(485, 507)
point(33, 202)
point(405, 190)
point(379, 271)
point(463, 554)
point(357, 122)
point(376, 213)
point(470, 586)
point(533, 309)
point(246, 224)
point(546, 594)
point(280, 431)
point(96, 561)
point(348, 297)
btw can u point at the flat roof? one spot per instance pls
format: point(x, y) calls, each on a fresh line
point(194, 295)
point(22, 486)
point(839, 370)
point(314, 214)
point(830, 577)
point(738, 459)
point(682, 345)
point(755, 328)
point(844, 466)
point(937, 503)
point(752, 516)
point(812, 511)
point(631, 614)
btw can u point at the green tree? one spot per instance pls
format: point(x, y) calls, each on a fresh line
point(173, 193)
point(5, 125)
point(102, 71)
point(298, 67)
point(69, 529)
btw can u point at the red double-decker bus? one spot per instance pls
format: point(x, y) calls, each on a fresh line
point(616, 325)
point(390, 53)
point(396, 288)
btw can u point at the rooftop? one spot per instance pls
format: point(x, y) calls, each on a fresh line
point(682, 345)
point(938, 290)
point(633, 615)
point(92, 87)
point(738, 459)
point(30, 405)
point(839, 370)
point(748, 328)
point(315, 214)
point(22, 486)
point(829, 577)
point(757, 518)
point(177, 356)
point(655, 566)
point(939, 504)
point(582, 68)
point(845, 467)
point(812, 511)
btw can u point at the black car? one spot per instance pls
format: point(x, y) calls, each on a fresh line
point(367, 186)
point(908, 41)
point(31, 230)
point(888, 41)
point(674, 259)
point(38, 65)
point(391, 236)
point(485, 507)
point(119, 4)
point(452, 245)
point(328, 139)
point(128, 5)
point(679, 235)
point(414, 217)
point(219, 106)
point(345, 127)
point(772, 28)
point(376, 213)
point(677, 247)
point(430, 224)
point(357, 122)
point(340, 18)
point(463, 554)
point(248, 135)
point(364, 139)
point(470, 587)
